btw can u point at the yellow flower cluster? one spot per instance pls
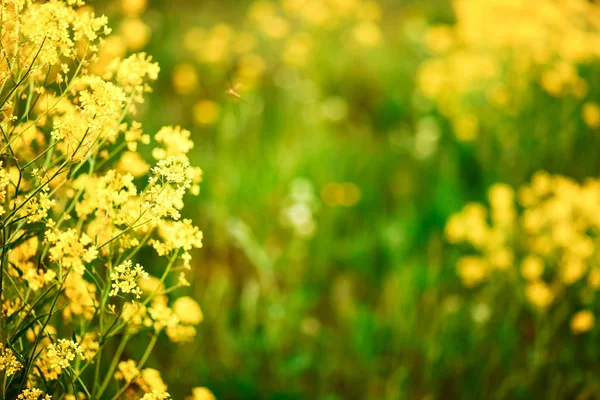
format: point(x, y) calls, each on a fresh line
point(497, 48)
point(148, 380)
point(179, 321)
point(8, 362)
point(62, 353)
point(32, 394)
point(546, 233)
point(124, 279)
point(76, 212)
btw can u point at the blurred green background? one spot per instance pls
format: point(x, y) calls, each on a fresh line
point(332, 162)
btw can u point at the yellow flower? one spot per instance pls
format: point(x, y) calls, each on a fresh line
point(472, 270)
point(201, 393)
point(532, 267)
point(134, 7)
point(594, 278)
point(132, 163)
point(127, 371)
point(206, 112)
point(8, 361)
point(33, 394)
point(367, 34)
point(135, 33)
point(188, 311)
point(466, 127)
point(62, 353)
point(591, 114)
point(583, 321)
point(124, 279)
point(185, 78)
point(539, 294)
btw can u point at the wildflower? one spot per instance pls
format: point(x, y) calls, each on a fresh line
point(472, 270)
point(132, 73)
point(539, 294)
point(591, 115)
point(532, 267)
point(162, 316)
point(62, 353)
point(176, 142)
point(187, 310)
point(8, 361)
point(178, 235)
point(134, 7)
point(150, 380)
point(33, 394)
point(583, 321)
point(206, 112)
point(135, 33)
point(201, 393)
point(37, 208)
point(4, 182)
point(132, 163)
point(181, 333)
point(156, 395)
point(367, 34)
point(166, 188)
point(127, 371)
point(71, 249)
point(124, 279)
point(185, 78)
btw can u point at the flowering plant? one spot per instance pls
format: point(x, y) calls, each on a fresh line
point(77, 205)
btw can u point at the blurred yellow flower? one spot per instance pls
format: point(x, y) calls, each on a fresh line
point(135, 33)
point(201, 393)
point(185, 78)
point(591, 114)
point(188, 311)
point(465, 127)
point(532, 267)
point(594, 278)
point(539, 294)
point(131, 162)
point(472, 270)
point(440, 39)
point(367, 34)
point(583, 321)
point(134, 7)
point(206, 112)
point(275, 27)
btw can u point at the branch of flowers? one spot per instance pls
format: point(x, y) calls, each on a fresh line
point(25, 76)
point(140, 365)
point(32, 195)
point(43, 185)
point(48, 109)
point(152, 295)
